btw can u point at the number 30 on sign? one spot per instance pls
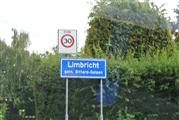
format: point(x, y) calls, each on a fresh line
point(67, 41)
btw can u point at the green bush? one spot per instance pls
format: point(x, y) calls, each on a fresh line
point(3, 108)
point(125, 117)
point(148, 90)
point(149, 84)
point(119, 27)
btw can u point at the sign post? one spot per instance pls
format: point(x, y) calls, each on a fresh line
point(66, 109)
point(101, 97)
point(79, 68)
point(67, 44)
point(84, 68)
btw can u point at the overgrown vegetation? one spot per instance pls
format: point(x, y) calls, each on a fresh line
point(123, 26)
point(148, 90)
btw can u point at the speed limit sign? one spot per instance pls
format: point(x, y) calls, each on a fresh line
point(67, 41)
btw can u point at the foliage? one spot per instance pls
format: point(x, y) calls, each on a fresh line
point(17, 67)
point(148, 89)
point(126, 117)
point(50, 93)
point(3, 109)
point(149, 85)
point(30, 83)
point(118, 27)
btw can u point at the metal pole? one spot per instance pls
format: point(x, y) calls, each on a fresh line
point(66, 114)
point(101, 99)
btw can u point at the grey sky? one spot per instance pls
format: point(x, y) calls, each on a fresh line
point(42, 18)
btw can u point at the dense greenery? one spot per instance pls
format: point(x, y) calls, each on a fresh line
point(17, 67)
point(118, 27)
point(149, 89)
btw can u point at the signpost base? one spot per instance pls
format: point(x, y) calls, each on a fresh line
point(101, 117)
point(66, 117)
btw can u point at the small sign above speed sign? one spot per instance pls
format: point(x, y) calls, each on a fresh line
point(67, 41)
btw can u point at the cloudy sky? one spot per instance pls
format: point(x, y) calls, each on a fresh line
point(42, 18)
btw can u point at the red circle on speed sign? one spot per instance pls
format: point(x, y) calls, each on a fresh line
point(67, 40)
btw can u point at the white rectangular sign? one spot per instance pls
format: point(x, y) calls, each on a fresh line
point(67, 41)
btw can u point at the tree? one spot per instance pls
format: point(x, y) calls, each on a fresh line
point(118, 27)
point(17, 69)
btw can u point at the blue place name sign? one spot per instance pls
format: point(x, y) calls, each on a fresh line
point(83, 68)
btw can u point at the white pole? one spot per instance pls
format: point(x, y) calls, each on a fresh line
point(66, 114)
point(101, 99)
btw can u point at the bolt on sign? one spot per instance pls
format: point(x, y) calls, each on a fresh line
point(67, 41)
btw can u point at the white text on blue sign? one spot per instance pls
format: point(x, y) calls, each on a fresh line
point(83, 68)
